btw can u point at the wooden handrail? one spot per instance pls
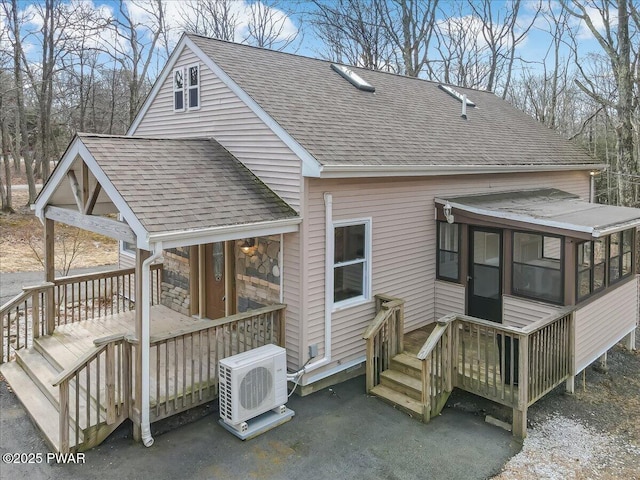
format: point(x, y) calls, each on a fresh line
point(98, 342)
point(21, 297)
point(100, 275)
point(80, 362)
point(385, 310)
point(437, 333)
point(238, 317)
point(383, 337)
point(543, 322)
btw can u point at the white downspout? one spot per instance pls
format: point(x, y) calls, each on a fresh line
point(328, 292)
point(592, 187)
point(145, 424)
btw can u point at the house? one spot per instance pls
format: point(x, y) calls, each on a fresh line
point(263, 197)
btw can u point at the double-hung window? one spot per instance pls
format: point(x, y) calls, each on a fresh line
point(193, 86)
point(186, 88)
point(178, 90)
point(448, 266)
point(351, 262)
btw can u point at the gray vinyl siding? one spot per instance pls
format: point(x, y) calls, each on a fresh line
point(126, 260)
point(403, 245)
point(605, 321)
point(520, 312)
point(223, 116)
point(449, 298)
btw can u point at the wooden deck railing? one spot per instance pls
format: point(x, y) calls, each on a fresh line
point(384, 337)
point(74, 298)
point(437, 358)
point(184, 363)
point(511, 366)
point(23, 319)
point(551, 351)
point(94, 394)
point(85, 297)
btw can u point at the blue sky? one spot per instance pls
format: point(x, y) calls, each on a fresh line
point(533, 48)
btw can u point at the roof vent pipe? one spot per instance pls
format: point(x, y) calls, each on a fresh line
point(464, 106)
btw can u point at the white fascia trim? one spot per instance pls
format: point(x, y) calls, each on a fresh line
point(310, 166)
point(360, 171)
point(185, 238)
point(166, 71)
point(594, 231)
point(79, 149)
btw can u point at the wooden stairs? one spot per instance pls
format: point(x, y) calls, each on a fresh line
point(401, 386)
point(31, 378)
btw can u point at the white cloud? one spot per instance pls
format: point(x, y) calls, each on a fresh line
point(598, 21)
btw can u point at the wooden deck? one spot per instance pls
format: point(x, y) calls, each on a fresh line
point(476, 361)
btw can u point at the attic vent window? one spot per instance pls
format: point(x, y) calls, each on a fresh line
point(353, 78)
point(455, 94)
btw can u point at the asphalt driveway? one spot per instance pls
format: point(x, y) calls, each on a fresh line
point(339, 434)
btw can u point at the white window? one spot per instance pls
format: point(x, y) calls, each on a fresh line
point(193, 87)
point(186, 88)
point(351, 262)
point(127, 248)
point(178, 90)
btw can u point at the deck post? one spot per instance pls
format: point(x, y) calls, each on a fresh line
point(49, 275)
point(141, 256)
point(630, 340)
point(370, 366)
point(519, 426)
point(570, 386)
point(35, 314)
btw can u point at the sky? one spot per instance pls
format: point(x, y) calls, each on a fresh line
point(533, 47)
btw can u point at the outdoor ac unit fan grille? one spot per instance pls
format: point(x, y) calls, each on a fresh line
point(252, 382)
point(255, 387)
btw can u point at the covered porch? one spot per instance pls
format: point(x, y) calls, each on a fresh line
point(143, 343)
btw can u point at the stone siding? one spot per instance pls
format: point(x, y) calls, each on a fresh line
point(175, 280)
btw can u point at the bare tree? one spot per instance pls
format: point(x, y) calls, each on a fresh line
point(212, 18)
point(21, 146)
point(409, 25)
point(615, 39)
point(499, 33)
point(268, 26)
point(352, 33)
point(139, 50)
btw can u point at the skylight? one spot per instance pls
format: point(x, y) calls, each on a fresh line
point(455, 94)
point(353, 78)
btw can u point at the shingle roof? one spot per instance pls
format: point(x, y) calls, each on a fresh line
point(407, 121)
point(189, 184)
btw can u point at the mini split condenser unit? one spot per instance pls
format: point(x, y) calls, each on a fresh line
point(251, 384)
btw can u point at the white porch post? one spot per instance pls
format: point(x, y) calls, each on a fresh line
point(141, 255)
point(49, 274)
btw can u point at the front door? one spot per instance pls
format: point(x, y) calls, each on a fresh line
point(485, 274)
point(214, 280)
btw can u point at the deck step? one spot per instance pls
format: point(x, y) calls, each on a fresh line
point(58, 351)
point(402, 382)
point(408, 364)
point(43, 413)
point(407, 404)
point(40, 371)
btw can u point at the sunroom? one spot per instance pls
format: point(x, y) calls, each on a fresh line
point(516, 257)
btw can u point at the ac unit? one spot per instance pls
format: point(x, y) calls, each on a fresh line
point(252, 383)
